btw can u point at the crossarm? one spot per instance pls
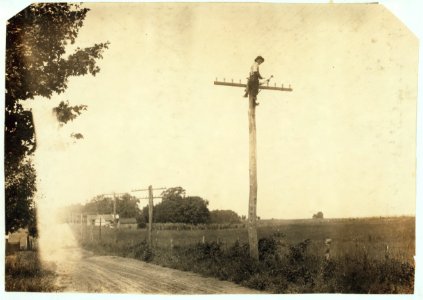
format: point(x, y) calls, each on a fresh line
point(262, 87)
point(230, 84)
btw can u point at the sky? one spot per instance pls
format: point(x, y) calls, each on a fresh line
point(343, 142)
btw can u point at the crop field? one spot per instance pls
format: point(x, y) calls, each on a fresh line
point(372, 255)
point(376, 236)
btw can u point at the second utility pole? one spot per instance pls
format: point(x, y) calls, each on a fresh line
point(150, 210)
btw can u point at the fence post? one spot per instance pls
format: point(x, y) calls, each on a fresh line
point(327, 251)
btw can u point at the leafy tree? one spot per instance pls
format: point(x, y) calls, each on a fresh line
point(174, 193)
point(319, 215)
point(37, 65)
point(176, 208)
point(168, 211)
point(194, 210)
point(99, 205)
point(127, 206)
point(20, 209)
point(224, 216)
point(66, 113)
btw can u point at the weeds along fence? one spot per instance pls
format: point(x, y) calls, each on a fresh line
point(162, 237)
point(184, 226)
point(395, 239)
point(287, 263)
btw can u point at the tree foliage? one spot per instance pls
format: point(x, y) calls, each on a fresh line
point(176, 208)
point(319, 215)
point(224, 216)
point(190, 210)
point(174, 193)
point(126, 206)
point(20, 209)
point(65, 113)
point(37, 65)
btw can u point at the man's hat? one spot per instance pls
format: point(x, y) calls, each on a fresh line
point(259, 57)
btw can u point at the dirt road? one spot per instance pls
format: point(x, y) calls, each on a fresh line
point(80, 271)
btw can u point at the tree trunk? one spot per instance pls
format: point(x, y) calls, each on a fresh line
point(252, 203)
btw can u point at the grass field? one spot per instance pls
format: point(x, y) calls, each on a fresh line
point(373, 235)
point(366, 255)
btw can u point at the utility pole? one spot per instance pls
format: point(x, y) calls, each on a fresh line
point(150, 209)
point(252, 201)
point(115, 195)
point(114, 210)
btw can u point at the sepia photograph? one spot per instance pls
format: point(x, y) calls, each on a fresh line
point(199, 148)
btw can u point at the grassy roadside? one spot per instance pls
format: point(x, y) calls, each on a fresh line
point(25, 273)
point(366, 255)
point(283, 267)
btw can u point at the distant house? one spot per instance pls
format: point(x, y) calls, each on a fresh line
point(102, 220)
point(128, 223)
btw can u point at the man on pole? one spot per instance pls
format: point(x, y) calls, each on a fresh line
point(253, 80)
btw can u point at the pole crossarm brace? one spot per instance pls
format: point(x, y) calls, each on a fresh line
point(155, 197)
point(262, 87)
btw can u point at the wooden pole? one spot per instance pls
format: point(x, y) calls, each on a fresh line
point(252, 202)
point(82, 234)
point(150, 214)
point(114, 217)
point(114, 210)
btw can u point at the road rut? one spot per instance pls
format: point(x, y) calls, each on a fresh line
point(83, 272)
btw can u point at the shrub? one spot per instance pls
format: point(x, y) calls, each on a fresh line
point(267, 248)
point(282, 267)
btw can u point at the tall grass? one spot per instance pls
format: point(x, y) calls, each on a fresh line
point(372, 257)
point(25, 273)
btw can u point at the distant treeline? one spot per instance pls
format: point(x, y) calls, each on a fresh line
point(178, 208)
point(175, 208)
